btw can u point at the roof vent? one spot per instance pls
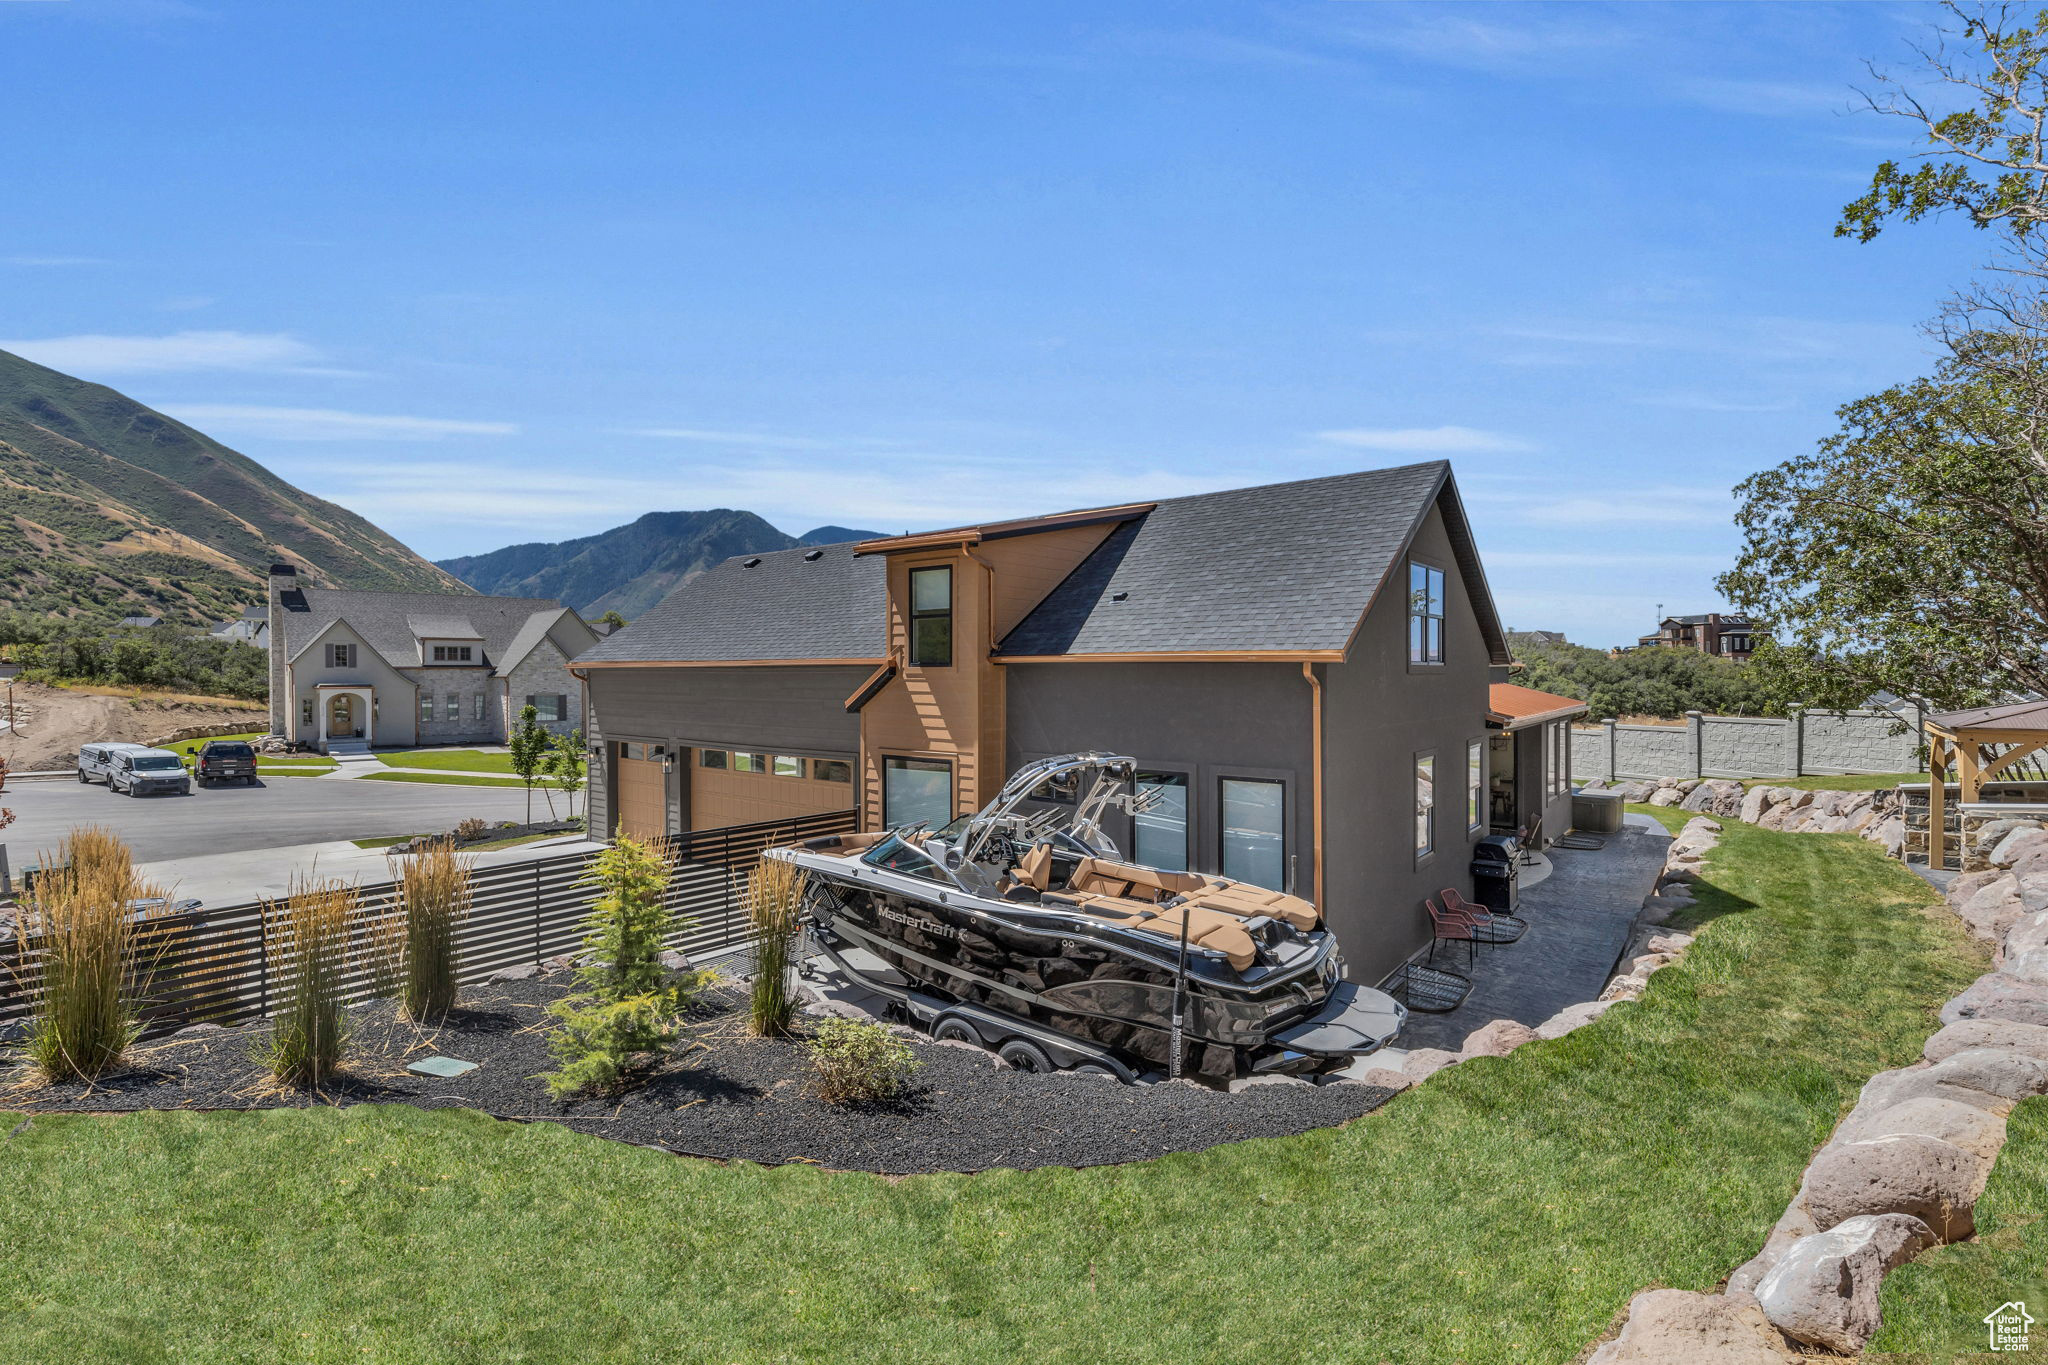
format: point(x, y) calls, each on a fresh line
point(1119, 597)
point(813, 556)
point(750, 563)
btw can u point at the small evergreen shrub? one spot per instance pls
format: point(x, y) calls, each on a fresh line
point(775, 902)
point(626, 1014)
point(858, 1060)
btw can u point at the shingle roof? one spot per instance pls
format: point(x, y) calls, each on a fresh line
point(789, 605)
point(432, 627)
point(386, 620)
point(1513, 706)
point(1284, 568)
point(2018, 715)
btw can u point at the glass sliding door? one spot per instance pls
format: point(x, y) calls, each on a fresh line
point(1254, 829)
point(1159, 836)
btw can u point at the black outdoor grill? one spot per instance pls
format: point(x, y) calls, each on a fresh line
point(1496, 863)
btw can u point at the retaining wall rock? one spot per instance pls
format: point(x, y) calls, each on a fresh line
point(1935, 1181)
point(1666, 1326)
point(1824, 1290)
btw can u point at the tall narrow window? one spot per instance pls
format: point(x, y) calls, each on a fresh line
point(1255, 832)
point(451, 707)
point(1160, 831)
point(1425, 804)
point(427, 708)
point(931, 617)
point(476, 707)
point(341, 656)
point(305, 711)
point(916, 790)
point(1475, 784)
point(1425, 614)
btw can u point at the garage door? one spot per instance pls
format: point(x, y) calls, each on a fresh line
point(643, 794)
point(735, 787)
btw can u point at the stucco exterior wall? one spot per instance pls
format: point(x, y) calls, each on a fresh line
point(391, 718)
point(1805, 743)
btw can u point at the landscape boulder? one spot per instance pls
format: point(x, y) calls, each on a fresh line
point(2029, 931)
point(1823, 1291)
point(1572, 1017)
point(1752, 808)
point(1673, 942)
point(1977, 1131)
point(1666, 796)
point(1385, 1079)
point(1425, 1062)
point(2030, 966)
point(1992, 908)
point(1989, 1078)
point(1935, 1181)
point(1497, 1039)
point(1969, 1034)
point(1667, 1326)
point(2008, 850)
point(1995, 995)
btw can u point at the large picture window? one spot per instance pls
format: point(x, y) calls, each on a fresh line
point(1425, 805)
point(1475, 784)
point(1425, 614)
point(1160, 833)
point(931, 617)
point(916, 790)
point(1254, 827)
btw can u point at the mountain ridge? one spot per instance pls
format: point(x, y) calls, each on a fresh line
point(117, 508)
point(631, 567)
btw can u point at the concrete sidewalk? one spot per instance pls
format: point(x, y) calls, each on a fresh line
point(267, 873)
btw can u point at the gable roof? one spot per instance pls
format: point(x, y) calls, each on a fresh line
point(1285, 569)
point(388, 621)
point(813, 604)
point(2016, 715)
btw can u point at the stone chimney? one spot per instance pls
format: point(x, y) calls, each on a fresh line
point(283, 579)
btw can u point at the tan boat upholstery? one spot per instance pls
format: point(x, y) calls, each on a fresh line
point(1034, 867)
point(1213, 929)
point(845, 845)
point(1101, 877)
point(1240, 898)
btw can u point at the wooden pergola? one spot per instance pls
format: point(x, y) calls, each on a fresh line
point(1981, 745)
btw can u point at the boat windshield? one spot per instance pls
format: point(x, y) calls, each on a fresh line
point(898, 856)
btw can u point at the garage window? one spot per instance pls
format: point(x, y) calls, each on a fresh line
point(750, 763)
point(831, 770)
point(785, 766)
point(711, 758)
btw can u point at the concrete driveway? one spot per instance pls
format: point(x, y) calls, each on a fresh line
point(278, 812)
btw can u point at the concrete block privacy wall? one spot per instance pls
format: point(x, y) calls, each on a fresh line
point(1802, 744)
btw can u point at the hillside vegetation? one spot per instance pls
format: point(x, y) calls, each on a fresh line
point(1645, 682)
point(630, 568)
point(109, 508)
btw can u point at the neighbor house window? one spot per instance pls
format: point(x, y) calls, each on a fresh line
point(305, 710)
point(750, 763)
point(916, 790)
point(1425, 614)
point(711, 758)
point(549, 706)
point(831, 770)
point(1255, 831)
point(451, 707)
point(341, 656)
point(452, 654)
point(476, 707)
point(1425, 804)
point(426, 708)
point(931, 617)
point(1475, 784)
point(1159, 833)
point(785, 766)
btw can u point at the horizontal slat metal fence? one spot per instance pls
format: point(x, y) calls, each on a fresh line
point(214, 966)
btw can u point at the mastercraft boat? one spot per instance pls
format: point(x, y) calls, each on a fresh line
point(1022, 928)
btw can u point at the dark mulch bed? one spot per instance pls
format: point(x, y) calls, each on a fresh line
point(723, 1094)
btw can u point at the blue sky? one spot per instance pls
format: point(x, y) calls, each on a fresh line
point(501, 272)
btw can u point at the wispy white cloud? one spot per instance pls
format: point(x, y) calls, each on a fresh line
point(97, 354)
point(1665, 506)
point(1531, 38)
point(53, 260)
point(753, 439)
point(327, 424)
point(1444, 440)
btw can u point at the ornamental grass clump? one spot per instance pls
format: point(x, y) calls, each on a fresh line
point(858, 1061)
point(775, 902)
point(78, 949)
point(629, 1009)
point(306, 938)
point(433, 892)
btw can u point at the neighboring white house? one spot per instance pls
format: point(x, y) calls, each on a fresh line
point(252, 627)
point(349, 670)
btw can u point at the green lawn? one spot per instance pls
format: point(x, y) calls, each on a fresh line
point(1505, 1211)
point(467, 760)
point(450, 779)
point(1849, 782)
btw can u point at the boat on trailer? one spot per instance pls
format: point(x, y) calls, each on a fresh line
point(1023, 929)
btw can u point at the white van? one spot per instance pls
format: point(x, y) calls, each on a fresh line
point(96, 761)
point(139, 771)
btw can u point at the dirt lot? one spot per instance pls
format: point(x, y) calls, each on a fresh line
point(53, 721)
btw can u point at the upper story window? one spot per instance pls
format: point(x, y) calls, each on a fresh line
point(341, 656)
point(931, 617)
point(453, 654)
point(1425, 614)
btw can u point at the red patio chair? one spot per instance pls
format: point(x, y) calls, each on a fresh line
point(1449, 926)
point(1488, 926)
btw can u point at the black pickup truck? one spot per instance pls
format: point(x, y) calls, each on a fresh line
point(223, 760)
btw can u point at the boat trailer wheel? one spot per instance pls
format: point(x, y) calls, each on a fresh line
point(954, 1029)
point(1025, 1055)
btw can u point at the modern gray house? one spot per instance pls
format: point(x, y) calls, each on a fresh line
point(1303, 668)
point(349, 670)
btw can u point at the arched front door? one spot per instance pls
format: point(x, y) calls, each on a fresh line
point(344, 717)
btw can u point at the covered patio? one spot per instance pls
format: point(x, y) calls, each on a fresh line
point(1985, 758)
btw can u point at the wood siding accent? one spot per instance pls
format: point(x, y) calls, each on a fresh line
point(721, 797)
point(1029, 567)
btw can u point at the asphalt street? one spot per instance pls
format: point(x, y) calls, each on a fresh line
point(278, 812)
